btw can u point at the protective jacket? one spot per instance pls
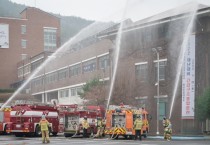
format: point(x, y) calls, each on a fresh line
point(99, 123)
point(138, 124)
point(166, 123)
point(85, 124)
point(44, 124)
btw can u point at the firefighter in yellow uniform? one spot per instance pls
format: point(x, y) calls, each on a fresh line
point(44, 129)
point(103, 127)
point(85, 126)
point(100, 127)
point(167, 129)
point(138, 123)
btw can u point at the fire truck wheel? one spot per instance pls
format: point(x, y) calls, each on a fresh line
point(18, 134)
point(5, 132)
point(145, 134)
point(125, 136)
point(68, 135)
point(54, 133)
point(50, 130)
point(37, 131)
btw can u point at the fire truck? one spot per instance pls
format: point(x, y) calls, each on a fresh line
point(4, 118)
point(25, 119)
point(73, 116)
point(120, 121)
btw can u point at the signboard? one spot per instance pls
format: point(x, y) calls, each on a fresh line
point(4, 36)
point(188, 80)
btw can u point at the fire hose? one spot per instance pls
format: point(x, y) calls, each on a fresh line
point(77, 129)
point(93, 136)
point(113, 133)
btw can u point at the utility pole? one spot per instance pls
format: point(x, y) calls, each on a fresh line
point(156, 50)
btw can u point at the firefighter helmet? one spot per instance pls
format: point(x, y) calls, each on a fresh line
point(85, 117)
point(43, 116)
point(138, 116)
point(99, 118)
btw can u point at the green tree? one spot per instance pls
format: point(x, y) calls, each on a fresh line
point(94, 92)
point(7, 90)
point(202, 106)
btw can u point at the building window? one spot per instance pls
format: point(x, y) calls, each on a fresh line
point(89, 66)
point(20, 72)
point(64, 93)
point(76, 91)
point(52, 77)
point(62, 74)
point(141, 71)
point(142, 101)
point(36, 64)
point(79, 91)
point(27, 69)
point(75, 70)
point(23, 29)
point(37, 82)
point(103, 62)
point(23, 43)
point(162, 69)
point(162, 110)
point(73, 91)
point(23, 56)
point(50, 39)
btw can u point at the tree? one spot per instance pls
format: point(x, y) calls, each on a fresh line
point(94, 92)
point(202, 106)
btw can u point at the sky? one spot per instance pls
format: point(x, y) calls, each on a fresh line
point(105, 10)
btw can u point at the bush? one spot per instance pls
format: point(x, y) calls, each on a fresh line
point(7, 90)
point(202, 106)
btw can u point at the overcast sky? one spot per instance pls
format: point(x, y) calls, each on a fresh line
point(102, 10)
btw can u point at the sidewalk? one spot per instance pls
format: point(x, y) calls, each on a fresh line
point(192, 137)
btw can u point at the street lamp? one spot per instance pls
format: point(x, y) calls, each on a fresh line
point(156, 50)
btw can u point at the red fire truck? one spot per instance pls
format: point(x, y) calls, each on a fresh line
point(25, 119)
point(73, 116)
point(4, 118)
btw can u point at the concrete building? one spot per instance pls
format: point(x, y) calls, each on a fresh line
point(20, 38)
point(149, 62)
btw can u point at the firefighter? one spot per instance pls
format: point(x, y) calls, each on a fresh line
point(165, 122)
point(103, 127)
point(167, 128)
point(44, 124)
point(138, 123)
point(168, 132)
point(85, 126)
point(100, 126)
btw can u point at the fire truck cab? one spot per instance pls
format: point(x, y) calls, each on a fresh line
point(120, 121)
point(74, 115)
point(4, 118)
point(25, 119)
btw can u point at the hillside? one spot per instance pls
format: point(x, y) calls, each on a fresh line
point(70, 25)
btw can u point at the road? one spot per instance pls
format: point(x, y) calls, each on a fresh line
point(60, 140)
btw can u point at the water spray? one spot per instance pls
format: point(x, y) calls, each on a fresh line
point(181, 57)
point(117, 51)
point(66, 45)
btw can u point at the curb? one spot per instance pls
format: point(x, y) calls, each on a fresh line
point(181, 137)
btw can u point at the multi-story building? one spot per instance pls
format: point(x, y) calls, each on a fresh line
point(20, 38)
point(149, 66)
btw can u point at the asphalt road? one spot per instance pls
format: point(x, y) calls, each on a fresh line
point(60, 140)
